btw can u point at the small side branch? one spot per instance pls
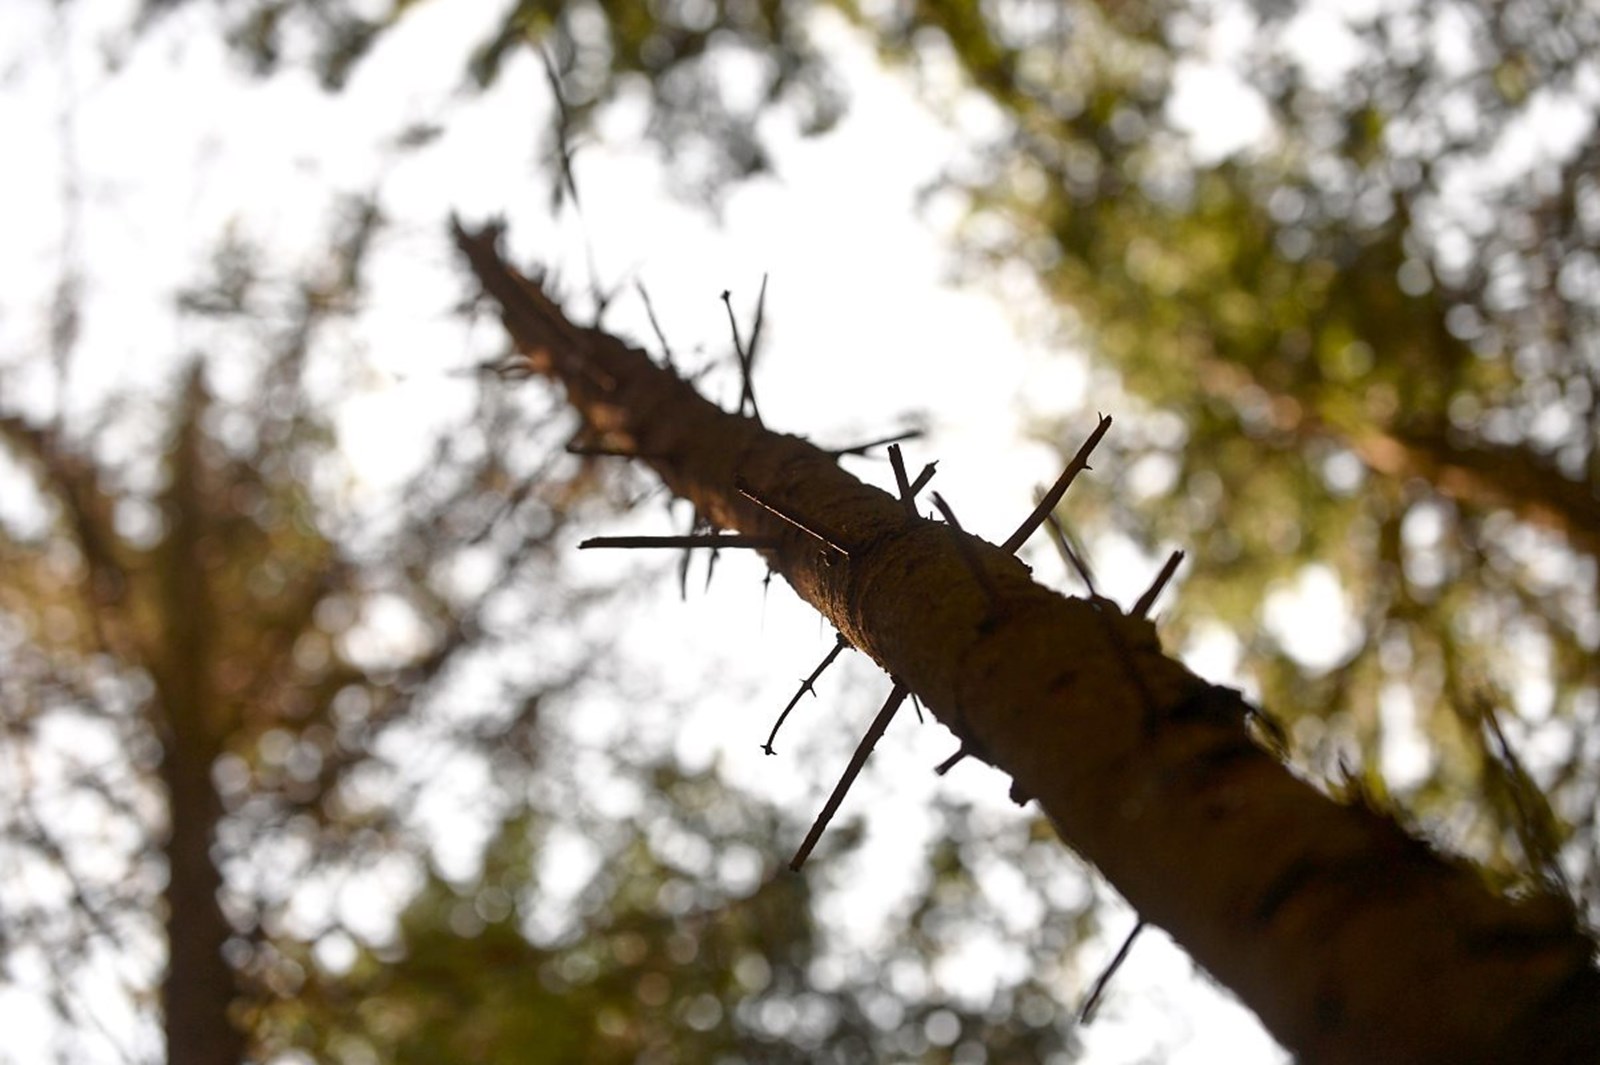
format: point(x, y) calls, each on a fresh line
point(862, 449)
point(697, 526)
point(747, 356)
point(907, 488)
point(513, 367)
point(875, 731)
point(1113, 635)
point(606, 451)
point(563, 127)
point(755, 330)
point(968, 555)
point(712, 540)
point(1148, 599)
point(1535, 821)
point(902, 483)
point(1091, 1001)
point(1079, 463)
point(661, 337)
point(807, 685)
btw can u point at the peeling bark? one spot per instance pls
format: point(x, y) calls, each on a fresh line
point(1352, 941)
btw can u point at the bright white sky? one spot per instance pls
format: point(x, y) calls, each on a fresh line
point(861, 329)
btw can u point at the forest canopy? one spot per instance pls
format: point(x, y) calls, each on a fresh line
point(1348, 330)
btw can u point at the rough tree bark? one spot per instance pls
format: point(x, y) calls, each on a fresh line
point(1351, 940)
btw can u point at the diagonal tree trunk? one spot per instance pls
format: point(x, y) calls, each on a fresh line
point(1351, 940)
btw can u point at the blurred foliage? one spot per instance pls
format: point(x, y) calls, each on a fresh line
point(233, 696)
point(211, 658)
point(1364, 341)
point(675, 55)
point(689, 944)
point(1363, 346)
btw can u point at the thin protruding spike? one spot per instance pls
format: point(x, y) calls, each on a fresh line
point(650, 312)
point(747, 395)
point(950, 763)
point(603, 450)
point(711, 566)
point(968, 555)
point(1079, 463)
point(1112, 634)
point(923, 478)
point(1073, 553)
point(1091, 1001)
point(568, 184)
point(809, 527)
point(712, 540)
point(862, 449)
point(875, 731)
point(696, 526)
point(1541, 847)
point(755, 329)
point(807, 685)
point(1148, 599)
point(510, 368)
point(902, 483)
point(563, 127)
